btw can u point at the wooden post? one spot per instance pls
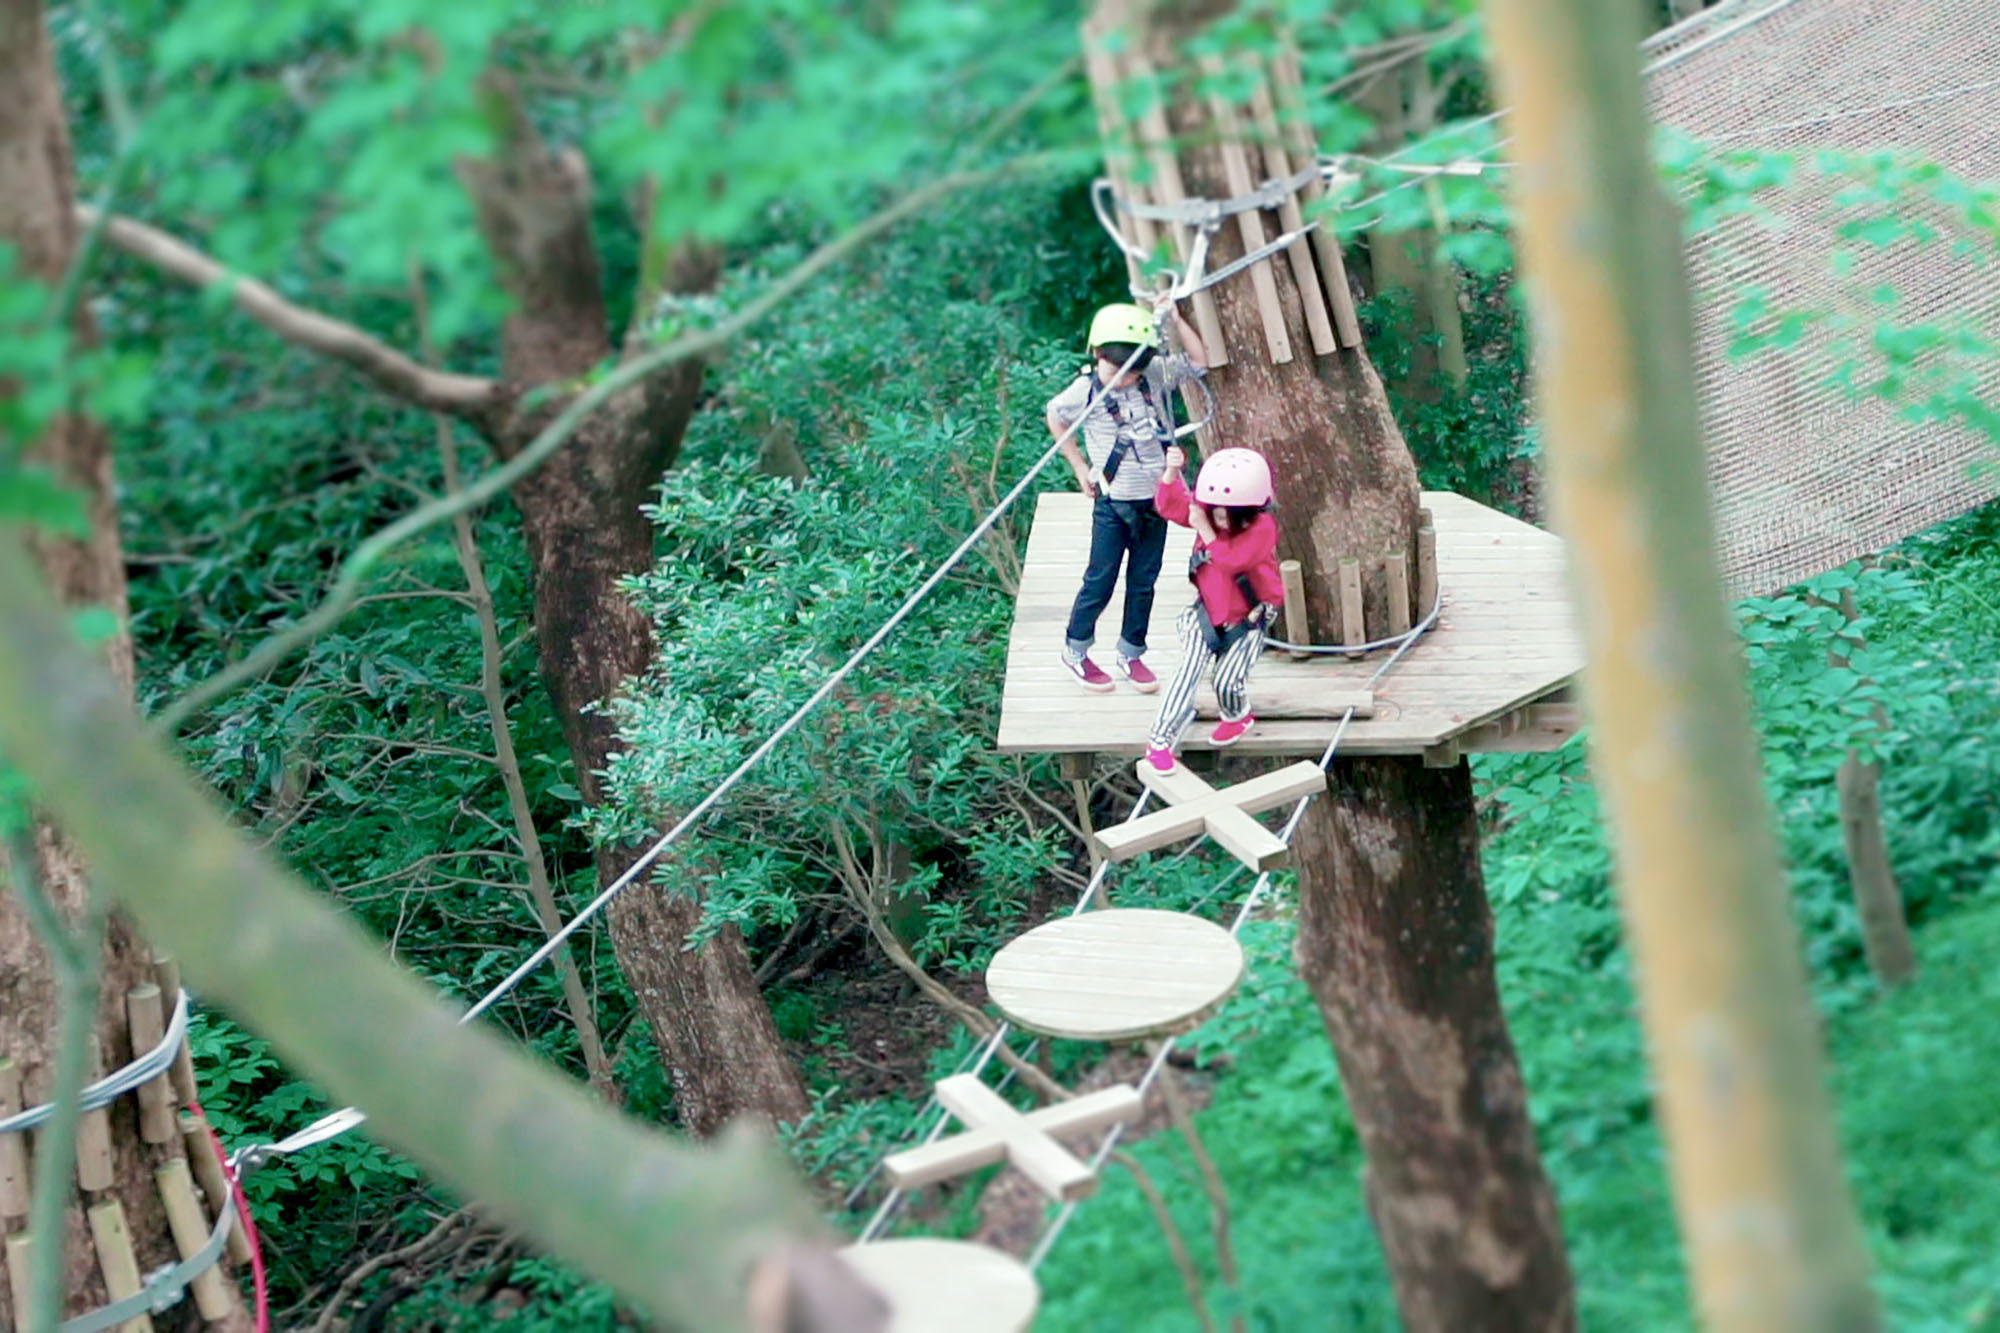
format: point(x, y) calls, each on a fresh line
point(116, 1260)
point(16, 1188)
point(1278, 166)
point(1290, 91)
point(1396, 574)
point(190, 1229)
point(1427, 566)
point(93, 1134)
point(167, 972)
point(1878, 902)
point(1249, 224)
point(156, 1096)
point(1352, 630)
point(1769, 1229)
point(200, 1149)
point(1296, 628)
point(1885, 933)
point(1076, 766)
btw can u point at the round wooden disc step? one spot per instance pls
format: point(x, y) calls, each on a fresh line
point(1115, 975)
point(940, 1284)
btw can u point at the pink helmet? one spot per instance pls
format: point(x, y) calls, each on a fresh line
point(1234, 477)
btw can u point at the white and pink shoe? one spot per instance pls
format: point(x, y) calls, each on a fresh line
point(1227, 733)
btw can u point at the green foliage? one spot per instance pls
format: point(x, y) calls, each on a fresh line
point(1910, 1068)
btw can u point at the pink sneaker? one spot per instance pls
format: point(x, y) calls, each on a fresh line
point(1141, 675)
point(1161, 758)
point(1228, 733)
point(1088, 674)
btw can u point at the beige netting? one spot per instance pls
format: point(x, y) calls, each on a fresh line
point(1806, 475)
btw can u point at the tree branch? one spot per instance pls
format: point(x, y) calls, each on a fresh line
point(470, 396)
point(674, 1230)
point(356, 567)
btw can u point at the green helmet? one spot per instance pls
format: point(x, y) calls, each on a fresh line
point(1124, 324)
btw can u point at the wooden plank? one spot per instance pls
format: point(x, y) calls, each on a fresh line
point(936, 1284)
point(1290, 91)
point(1116, 975)
point(1278, 166)
point(1249, 224)
point(200, 1148)
point(1157, 139)
point(1118, 163)
point(996, 1132)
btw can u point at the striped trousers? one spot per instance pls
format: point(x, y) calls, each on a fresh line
point(1232, 680)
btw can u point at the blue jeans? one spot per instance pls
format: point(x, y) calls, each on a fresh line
point(1127, 532)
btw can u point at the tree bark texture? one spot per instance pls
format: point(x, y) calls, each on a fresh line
point(37, 219)
point(1396, 942)
point(1395, 936)
point(585, 533)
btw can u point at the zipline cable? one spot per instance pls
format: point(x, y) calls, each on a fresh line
point(341, 1121)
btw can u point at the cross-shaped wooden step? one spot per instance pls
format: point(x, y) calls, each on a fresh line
point(1194, 807)
point(996, 1131)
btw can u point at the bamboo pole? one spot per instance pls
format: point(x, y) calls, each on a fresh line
point(167, 972)
point(156, 1096)
point(1770, 1232)
point(19, 1276)
point(93, 1134)
point(190, 1231)
point(199, 1145)
point(116, 1260)
point(16, 1188)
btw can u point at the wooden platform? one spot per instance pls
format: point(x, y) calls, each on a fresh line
point(1492, 675)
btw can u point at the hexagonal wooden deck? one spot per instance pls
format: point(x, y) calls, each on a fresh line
point(1492, 675)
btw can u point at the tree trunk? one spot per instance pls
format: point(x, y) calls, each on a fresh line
point(1395, 936)
point(1772, 1239)
point(37, 192)
point(707, 1015)
point(1396, 941)
point(585, 534)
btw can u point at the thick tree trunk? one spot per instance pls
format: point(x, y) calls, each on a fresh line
point(1396, 941)
point(1396, 937)
point(706, 1013)
point(37, 190)
point(585, 533)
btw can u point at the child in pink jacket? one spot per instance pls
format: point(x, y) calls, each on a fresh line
point(1238, 590)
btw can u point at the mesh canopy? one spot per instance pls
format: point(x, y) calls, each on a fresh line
point(1806, 474)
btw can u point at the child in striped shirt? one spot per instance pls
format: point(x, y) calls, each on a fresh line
point(1237, 586)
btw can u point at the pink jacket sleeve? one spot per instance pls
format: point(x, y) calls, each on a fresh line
point(1252, 553)
point(1171, 500)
